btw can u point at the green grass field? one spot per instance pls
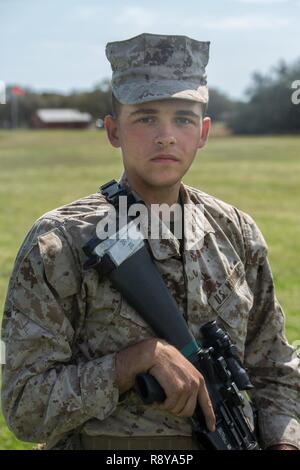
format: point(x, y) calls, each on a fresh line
point(40, 170)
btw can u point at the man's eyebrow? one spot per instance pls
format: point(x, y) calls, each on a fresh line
point(187, 112)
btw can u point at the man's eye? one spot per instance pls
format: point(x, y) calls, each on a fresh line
point(146, 119)
point(184, 121)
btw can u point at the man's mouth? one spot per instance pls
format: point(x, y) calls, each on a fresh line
point(164, 158)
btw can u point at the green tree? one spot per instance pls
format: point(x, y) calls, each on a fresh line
point(269, 109)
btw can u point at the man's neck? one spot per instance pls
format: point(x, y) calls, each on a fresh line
point(160, 196)
point(166, 195)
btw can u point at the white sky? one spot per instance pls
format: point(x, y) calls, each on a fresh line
point(59, 44)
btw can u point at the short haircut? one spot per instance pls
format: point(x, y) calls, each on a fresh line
point(116, 107)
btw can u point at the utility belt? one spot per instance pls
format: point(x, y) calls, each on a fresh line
point(138, 443)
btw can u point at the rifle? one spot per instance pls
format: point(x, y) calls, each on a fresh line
point(129, 266)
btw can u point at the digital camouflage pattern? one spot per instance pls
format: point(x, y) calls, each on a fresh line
point(149, 67)
point(63, 327)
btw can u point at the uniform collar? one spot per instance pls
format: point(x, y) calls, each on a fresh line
point(168, 246)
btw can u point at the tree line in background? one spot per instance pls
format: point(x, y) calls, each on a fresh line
point(268, 109)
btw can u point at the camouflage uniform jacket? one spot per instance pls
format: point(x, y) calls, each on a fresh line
point(63, 326)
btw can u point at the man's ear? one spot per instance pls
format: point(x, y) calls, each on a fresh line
point(206, 125)
point(112, 130)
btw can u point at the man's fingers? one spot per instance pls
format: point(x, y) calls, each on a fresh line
point(207, 408)
point(180, 405)
point(189, 407)
point(169, 403)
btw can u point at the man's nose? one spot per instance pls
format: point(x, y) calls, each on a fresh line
point(165, 138)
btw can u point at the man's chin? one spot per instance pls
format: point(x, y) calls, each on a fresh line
point(165, 183)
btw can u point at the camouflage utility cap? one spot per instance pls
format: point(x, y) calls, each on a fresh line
point(152, 67)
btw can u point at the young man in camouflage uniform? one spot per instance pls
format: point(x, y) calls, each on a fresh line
point(74, 345)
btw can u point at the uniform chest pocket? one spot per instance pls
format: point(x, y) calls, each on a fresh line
point(107, 306)
point(128, 313)
point(103, 302)
point(232, 302)
point(110, 324)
